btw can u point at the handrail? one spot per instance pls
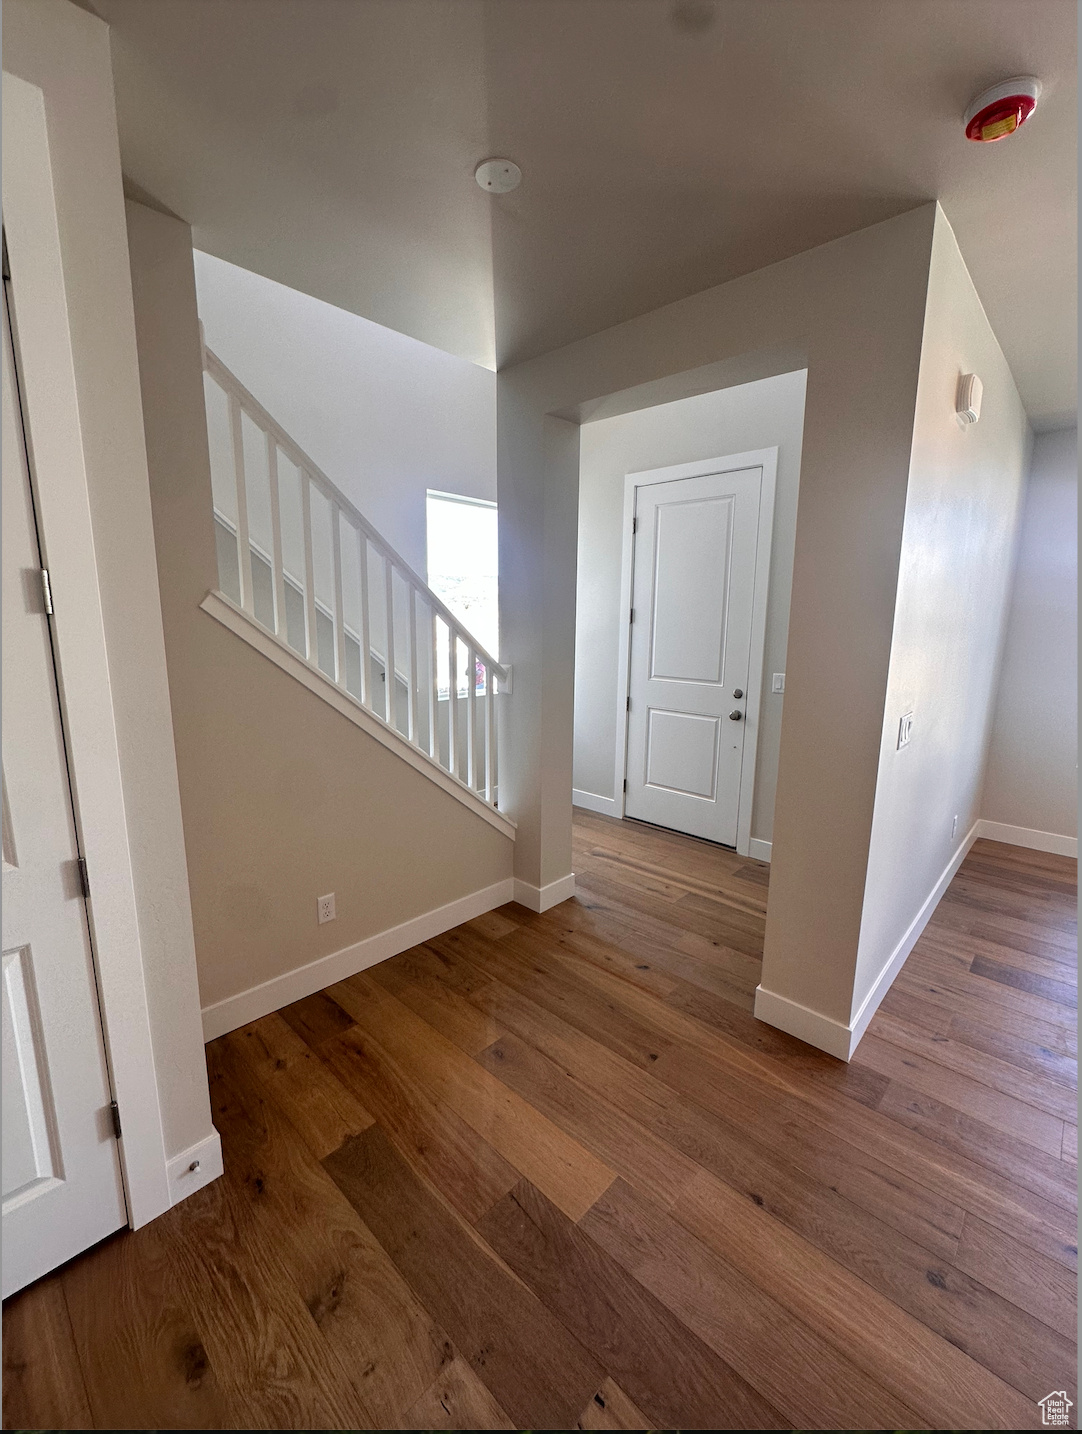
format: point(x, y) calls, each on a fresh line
point(469, 743)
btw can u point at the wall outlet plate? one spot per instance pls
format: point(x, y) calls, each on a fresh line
point(325, 908)
point(905, 730)
point(778, 684)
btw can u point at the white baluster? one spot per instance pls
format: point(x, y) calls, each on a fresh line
point(412, 696)
point(471, 716)
point(452, 701)
point(309, 571)
point(244, 548)
point(490, 738)
point(433, 688)
point(339, 611)
point(388, 571)
point(366, 636)
point(276, 539)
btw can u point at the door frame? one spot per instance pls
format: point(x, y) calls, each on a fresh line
point(765, 459)
point(62, 503)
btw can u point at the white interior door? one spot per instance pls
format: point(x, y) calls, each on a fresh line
point(692, 601)
point(62, 1188)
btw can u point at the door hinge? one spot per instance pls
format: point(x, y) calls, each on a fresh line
point(114, 1111)
point(47, 591)
point(634, 526)
point(631, 617)
point(629, 704)
point(84, 875)
point(625, 784)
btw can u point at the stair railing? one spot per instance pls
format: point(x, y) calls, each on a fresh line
point(413, 641)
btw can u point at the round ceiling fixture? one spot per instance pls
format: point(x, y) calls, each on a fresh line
point(498, 176)
point(998, 112)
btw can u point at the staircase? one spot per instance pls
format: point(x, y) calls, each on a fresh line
point(306, 578)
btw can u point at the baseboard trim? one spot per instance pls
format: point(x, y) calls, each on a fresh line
point(290, 986)
point(543, 898)
point(206, 1155)
point(804, 1023)
point(1027, 836)
point(760, 850)
point(885, 979)
point(591, 802)
point(835, 1037)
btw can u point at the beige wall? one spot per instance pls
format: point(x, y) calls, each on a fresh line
point(1032, 777)
point(283, 798)
point(65, 52)
point(852, 312)
point(765, 414)
point(957, 551)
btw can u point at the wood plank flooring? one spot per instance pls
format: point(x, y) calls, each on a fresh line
point(550, 1172)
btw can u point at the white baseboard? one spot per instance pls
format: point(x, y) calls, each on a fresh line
point(206, 1155)
point(593, 803)
point(279, 991)
point(760, 850)
point(885, 979)
point(800, 1021)
point(1026, 836)
point(835, 1037)
point(541, 898)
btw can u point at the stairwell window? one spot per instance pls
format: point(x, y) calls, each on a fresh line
point(463, 567)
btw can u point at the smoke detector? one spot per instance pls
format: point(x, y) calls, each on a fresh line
point(498, 176)
point(999, 111)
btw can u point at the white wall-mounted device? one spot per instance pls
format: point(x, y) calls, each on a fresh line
point(967, 404)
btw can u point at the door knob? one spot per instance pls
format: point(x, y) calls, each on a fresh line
point(738, 692)
point(735, 715)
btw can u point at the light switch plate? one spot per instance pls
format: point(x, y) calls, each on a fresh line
point(778, 685)
point(905, 730)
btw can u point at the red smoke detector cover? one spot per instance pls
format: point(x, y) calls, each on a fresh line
point(1001, 110)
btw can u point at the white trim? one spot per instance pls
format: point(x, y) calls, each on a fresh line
point(183, 1180)
point(218, 606)
point(1027, 836)
point(759, 849)
point(832, 1036)
point(591, 802)
point(765, 459)
point(800, 1021)
point(543, 898)
point(883, 982)
point(51, 413)
point(290, 986)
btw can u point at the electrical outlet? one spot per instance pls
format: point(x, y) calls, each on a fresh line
point(778, 685)
point(905, 730)
point(325, 908)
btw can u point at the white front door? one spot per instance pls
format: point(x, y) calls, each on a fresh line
point(692, 596)
point(62, 1187)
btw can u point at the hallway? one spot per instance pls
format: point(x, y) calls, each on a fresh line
point(548, 1171)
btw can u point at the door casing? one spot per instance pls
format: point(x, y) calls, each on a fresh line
point(767, 460)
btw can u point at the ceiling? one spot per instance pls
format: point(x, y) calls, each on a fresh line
point(666, 146)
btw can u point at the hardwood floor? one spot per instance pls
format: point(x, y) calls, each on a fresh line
point(549, 1172)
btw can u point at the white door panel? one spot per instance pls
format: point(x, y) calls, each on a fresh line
point(62, 1187)
point(693, 589)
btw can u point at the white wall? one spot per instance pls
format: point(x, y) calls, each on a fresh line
point(852, 314)
point(1032, 774)
point(385, 416)
point(958, 544)
point(763, 414)
point(65, 52)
